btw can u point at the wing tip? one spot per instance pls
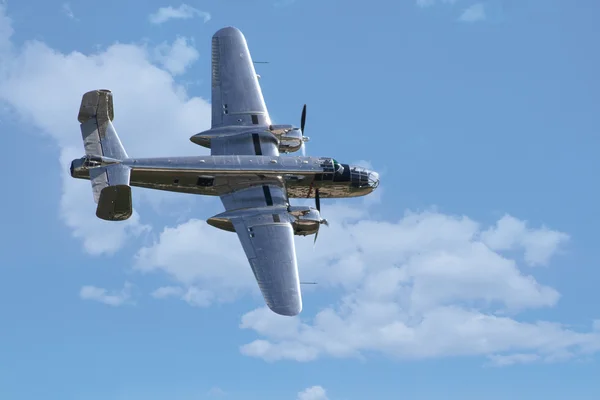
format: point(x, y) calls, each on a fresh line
point(289, 310)
point(230, 31)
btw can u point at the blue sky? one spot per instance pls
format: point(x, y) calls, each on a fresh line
point(470, 274)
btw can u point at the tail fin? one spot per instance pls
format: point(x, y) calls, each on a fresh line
point(110, 180)
point(99, 135)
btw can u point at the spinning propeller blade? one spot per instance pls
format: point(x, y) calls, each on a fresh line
point(303, 119)
point(318, 206)
point(302, 123)
point(317, 196)
point(317, 200)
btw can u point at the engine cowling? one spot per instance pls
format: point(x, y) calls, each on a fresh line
point(290, 138)
point(307, 220)
point(291, 141)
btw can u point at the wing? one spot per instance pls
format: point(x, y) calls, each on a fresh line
point(268, 241)
point(237, 100)
point(236, 95)
point(262, 222)
point(267, 238)
point(263, 193)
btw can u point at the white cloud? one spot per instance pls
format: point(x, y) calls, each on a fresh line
point(153, 115)
point(210, 262)
point(198, 297)
point(66, 8)
point(184, 11)
point(503, 361)
point(166, 292)
point(435, 250)
point(78, 211)
point(363, 163)
point(474, 13)
point(193, 295)
point(176, 57)
point(426, 286)
point(429, 285)
point(313, 393)
point(510, 233)
point(360, 325)
point(115, 298)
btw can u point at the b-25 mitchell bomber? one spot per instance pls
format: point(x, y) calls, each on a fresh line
point(245, 169)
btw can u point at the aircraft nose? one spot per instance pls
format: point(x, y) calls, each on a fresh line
point(373, 179)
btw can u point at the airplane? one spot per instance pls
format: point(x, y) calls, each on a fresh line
point(245, 169)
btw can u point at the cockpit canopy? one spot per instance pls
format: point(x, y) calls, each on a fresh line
point(337, 167)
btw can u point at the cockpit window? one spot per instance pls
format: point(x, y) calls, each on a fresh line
point(337, 167)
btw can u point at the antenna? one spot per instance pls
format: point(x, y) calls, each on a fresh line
point(260, 62)
point(308, 283)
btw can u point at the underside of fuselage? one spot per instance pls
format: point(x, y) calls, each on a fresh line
point(215, 185)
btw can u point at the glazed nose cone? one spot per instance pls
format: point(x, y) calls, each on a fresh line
point(373, 179)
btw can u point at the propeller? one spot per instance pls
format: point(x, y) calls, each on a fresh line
point(318, 205)
point(317, 200)
point(303, 119)
point(302, 123)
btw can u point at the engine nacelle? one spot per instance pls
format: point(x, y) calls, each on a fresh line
point(290, 138)
point(291, 141)
point(307, 220)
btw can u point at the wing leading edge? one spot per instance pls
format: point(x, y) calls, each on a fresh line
point(268, 241)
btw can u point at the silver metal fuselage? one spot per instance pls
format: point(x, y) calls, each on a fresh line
point(219, 175)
